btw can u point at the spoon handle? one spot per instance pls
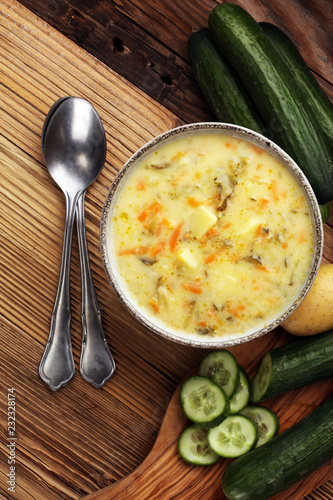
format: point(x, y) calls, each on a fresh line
point(96, 364)
point(57, 364)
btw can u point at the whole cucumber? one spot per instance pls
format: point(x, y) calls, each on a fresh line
point(313, 93)
point(223, 90)
point(286, 459)
point(294, 365)
point(289, 120)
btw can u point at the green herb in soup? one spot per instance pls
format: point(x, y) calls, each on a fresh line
point(212, 235)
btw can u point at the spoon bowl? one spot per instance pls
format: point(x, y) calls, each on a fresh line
point(74, 149)
point(74, 144)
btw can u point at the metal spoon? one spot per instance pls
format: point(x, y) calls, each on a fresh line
point(74, 148)
point(96, 363)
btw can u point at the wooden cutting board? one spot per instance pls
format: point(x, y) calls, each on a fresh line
point(164, 475)
point(79, 440)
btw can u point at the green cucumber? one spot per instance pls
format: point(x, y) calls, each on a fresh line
point(294, 365)
point(289, 120)
point(223, 90)
point(242, 395)
point(313, 93)
point(286, 459)
point(235, 436)
point(325, 211)
point(193, 446)
point(223, 369)
point(203, 401)
point(265, 419)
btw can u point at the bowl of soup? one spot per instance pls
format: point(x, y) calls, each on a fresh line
point(211, 235)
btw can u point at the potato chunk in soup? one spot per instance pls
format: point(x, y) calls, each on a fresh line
point(212, 235)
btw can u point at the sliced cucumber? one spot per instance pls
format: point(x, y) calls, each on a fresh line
point(203, 401)
point(288, 458)
point(241, 397)
point(193, 446)
point(260, 382)
point(222, 368)
point(265, 419)
point(235, 436)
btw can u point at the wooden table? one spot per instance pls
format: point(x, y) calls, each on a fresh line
point(130, 60)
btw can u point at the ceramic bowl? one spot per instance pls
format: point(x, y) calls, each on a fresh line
point(110, 264)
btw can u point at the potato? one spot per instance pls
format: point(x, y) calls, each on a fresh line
point(315, 313)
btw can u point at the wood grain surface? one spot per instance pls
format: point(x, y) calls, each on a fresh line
point(79, 440)
point(165, 475)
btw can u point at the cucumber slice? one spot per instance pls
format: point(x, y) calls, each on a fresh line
point(235, 436)
point(241, 397)
point(261, 380)
point(222, 368)
point(203, 401)
point(265, 419)
point(193, 446)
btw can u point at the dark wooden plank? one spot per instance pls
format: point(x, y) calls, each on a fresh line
point(146, 41)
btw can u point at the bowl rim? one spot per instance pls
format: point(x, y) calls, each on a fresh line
point(269, 146)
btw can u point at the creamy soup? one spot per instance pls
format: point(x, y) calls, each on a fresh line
point(212, 235)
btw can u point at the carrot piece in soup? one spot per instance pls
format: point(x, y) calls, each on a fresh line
point(236, 310)
point(210, 258)
point(209, 234)
point(190, 287)
point(256, 149)
point(140, 250)
point(153, 302)
point(140, 186)
point(258, 231)
point(175, 237)
point(263, 203)
point(261, 267)
point(179, 155)
point(157, 248)
point(194, 202)
point(153, 208)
